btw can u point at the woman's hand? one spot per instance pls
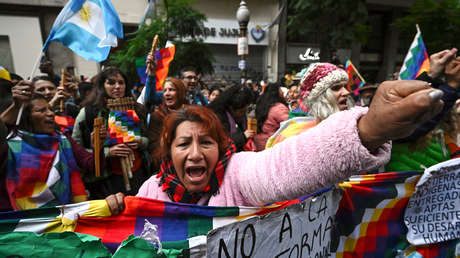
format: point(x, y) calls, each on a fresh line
point(249, 133)
point(120, 150)
point(71, 87)
point(22, 92)
point(452, 72)
point(397, 108)
point(116, 203)
point(60, 94)
point(151, 64)
point(102, 135)
point(438, 62)
point(133, 145)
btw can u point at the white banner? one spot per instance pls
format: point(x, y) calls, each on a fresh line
point(300, 230)
point(433, 212)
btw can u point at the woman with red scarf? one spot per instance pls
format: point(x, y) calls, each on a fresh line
point(201, 167)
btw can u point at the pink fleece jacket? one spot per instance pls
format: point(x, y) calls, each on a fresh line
point(277, 114)
point(324, 155)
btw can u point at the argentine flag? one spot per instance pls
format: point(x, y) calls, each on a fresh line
point(88, 27)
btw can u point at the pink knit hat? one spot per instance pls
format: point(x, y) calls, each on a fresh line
point(319, 77)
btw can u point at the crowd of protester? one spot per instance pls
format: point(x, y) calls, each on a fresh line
point(197, 142)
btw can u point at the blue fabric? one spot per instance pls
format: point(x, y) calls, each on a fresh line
point(83, 42)
point(152, 97)
point(194, 98)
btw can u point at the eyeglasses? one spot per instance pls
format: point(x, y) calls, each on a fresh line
point(191, 77)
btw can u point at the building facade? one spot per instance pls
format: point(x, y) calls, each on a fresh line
point(377, 59)
point(26, 25)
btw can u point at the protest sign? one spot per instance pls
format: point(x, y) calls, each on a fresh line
point(301, 230)
point(433, 212)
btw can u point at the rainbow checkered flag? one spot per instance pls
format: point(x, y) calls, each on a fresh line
point(370, 218)
point(417, 60)
point(369, 223)
point(123, 127)
point(355, 80)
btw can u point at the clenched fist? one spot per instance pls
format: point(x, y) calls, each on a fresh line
point(397, 108)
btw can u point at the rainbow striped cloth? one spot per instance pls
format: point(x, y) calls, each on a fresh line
point(417, 60)
point(41, 172)
point(65, 123)
point(370, 218)
point(355, 81)
point(181, 227)
point(291, 127)
point(164, 58)
point(123, 127)
point(369, 221)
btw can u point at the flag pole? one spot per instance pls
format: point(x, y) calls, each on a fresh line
point(356, 70)
point(152, 50)
point(30, 78)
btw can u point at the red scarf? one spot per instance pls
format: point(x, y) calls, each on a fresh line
point(176, 191)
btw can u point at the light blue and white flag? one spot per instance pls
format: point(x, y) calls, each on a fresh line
point(88, 27)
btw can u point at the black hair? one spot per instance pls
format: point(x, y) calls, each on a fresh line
point(5, 94)
point(215, 87)
point(100, 94)
point(16, 77)
point(44, 78)
point(187, 69)
point(270, 97)
point(84, 87)
point(235, 97)
point(26, 122)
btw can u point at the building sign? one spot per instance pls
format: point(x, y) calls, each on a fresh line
point(222, 31)
point(257, 33)
point(300, 230)
point(302, 54)
point(433, 212)
point(310, 55)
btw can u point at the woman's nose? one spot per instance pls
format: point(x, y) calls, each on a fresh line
point(195, 152)
point(344, 91)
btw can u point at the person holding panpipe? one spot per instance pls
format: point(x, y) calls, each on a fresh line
point(111, 84)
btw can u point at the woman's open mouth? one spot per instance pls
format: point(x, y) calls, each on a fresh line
point(195, 174)
point(169, 100)
point(342, 104)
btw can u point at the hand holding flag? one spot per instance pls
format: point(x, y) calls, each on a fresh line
point(151, 63)
point(88, 27)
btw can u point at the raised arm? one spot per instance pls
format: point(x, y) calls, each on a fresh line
point(21, 92)
point(346, 143)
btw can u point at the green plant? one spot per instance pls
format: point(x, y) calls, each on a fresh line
point(439, 23)
point(173, 20)
point(328, 23)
